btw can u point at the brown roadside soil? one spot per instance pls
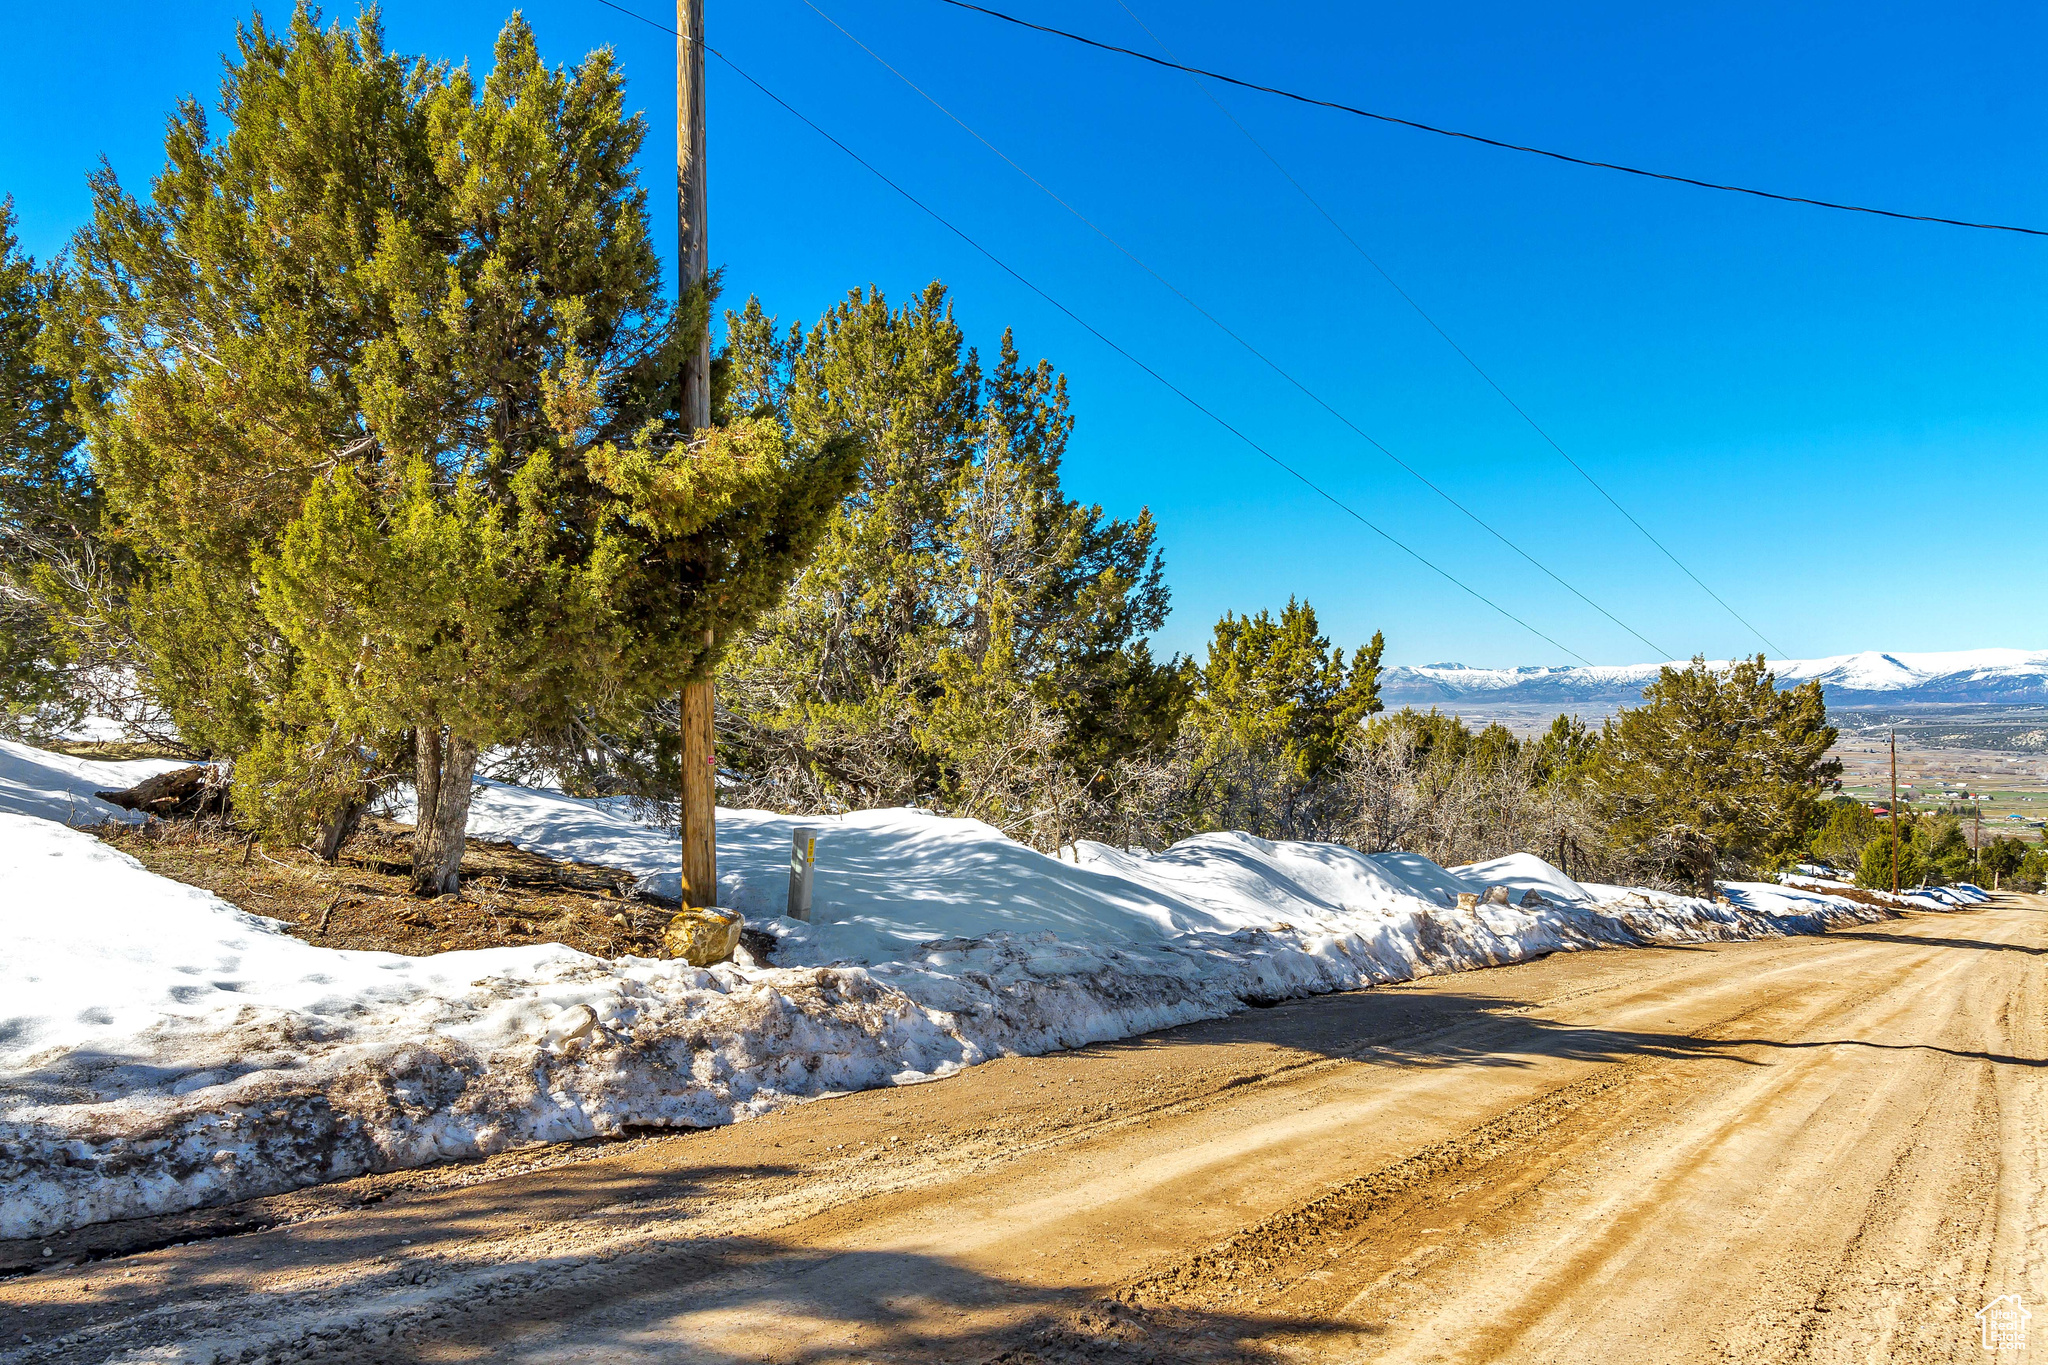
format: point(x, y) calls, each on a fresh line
point(112, 751)
point(1883, 900)
point(1824, 1149)
point(509, 896)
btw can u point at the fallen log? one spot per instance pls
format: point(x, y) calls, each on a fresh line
point(192, 791)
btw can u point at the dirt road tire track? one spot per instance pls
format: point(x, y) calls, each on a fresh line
point(1801, 1150)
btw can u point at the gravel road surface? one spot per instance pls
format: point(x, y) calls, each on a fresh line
point(1808, 1149)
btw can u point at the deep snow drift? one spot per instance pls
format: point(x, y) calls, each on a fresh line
point(161, 1049)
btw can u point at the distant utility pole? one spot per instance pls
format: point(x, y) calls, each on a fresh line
point(698, 808)
point(1895, 812)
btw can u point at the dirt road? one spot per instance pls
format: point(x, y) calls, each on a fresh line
point(1825, 1149)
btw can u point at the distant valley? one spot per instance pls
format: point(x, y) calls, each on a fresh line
point(2005, 677)
point(1984, 699)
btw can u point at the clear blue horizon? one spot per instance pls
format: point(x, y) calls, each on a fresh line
point(1829, 417)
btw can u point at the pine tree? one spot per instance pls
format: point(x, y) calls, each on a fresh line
point(1275, 706)
point(1564, 751)
point(389, 400)
point(49, 509)
point(1714, 767)
point(967, 635)
point(1842, 835)
point(1874, 866)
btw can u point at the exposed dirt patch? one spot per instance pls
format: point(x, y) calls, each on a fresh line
point(509, 896)
point(114, 751)
point(1883, 900)
point(1267, 1255)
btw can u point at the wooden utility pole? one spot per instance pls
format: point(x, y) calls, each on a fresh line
point(698, 811)
point(1895, 812)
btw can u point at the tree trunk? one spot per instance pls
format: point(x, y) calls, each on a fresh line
point(339, 830)
point(443, 766)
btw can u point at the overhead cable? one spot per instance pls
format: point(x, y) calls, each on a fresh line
point(1090, 328)
point(1221, 326)
point(1488, 141)
point(1463, 354)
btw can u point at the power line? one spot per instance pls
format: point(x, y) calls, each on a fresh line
point(1488, 141)
point(1463, 354)
point(1088, 327)
point(1221, 326)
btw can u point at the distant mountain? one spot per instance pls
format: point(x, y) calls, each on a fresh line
point(2010, 676)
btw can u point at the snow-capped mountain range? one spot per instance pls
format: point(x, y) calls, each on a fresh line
point(1867, 679)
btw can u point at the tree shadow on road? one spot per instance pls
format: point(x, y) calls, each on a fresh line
point(429, 1282)
point(1416, 1029)
point(764, 1300)
point(1440, 1028)
point(1917, 940)
point(228, 1248)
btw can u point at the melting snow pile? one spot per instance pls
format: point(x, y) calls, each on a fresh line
point(161, 1049)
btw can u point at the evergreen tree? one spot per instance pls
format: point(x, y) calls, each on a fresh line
point(2002, 858)
point(1565, 751)
point(1715, 767)
point(48, 507)
point(1942, 849)
point(1430, 739)
point(1874, 867)
point(1840, 836)
point(1275, 707)
point(387, 407)
point(967, 635)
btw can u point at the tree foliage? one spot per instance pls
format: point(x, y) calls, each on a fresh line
point(967, 635)
point(385, 399)
point(1845, 827)
point(1275, 706)
point(1716, 767)
point(49, 507)
point(1425, 782)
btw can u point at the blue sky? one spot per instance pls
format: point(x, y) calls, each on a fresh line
point(1837, 421)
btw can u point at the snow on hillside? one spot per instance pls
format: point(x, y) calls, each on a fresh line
point(2009, 675)
point(58, 787)
point(161, 1049)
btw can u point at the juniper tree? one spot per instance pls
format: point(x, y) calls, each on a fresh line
point(389, 413)
point(2002, 857)
point(1716, 766)
point(1425, 782)
point(1845, 827)
point(967, 635)
point(1881, 866)
point(1564, 751)
point(1275, 706)
point(48, 506)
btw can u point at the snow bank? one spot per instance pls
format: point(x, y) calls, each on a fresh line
point(1956, 897)
point(161, 1049)
point(57, 787)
